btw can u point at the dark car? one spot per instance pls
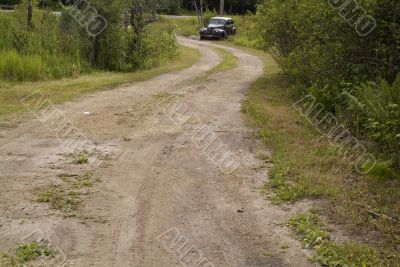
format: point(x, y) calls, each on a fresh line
point(218, 28)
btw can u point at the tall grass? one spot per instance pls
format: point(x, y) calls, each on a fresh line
point(56, 48)
point(14, 66)
point(247, 34)
point(43, 52)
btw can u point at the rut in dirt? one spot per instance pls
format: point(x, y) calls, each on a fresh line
point(159, 198)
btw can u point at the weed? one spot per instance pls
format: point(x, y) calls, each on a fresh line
point(25, 253)
point(28, 252)
point(46, 196)
point(82, 158)
point(66, 202)
point(60, 199)
point(329, 253)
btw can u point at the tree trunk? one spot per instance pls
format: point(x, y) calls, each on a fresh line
point(30, 13)
point(221, 7)
point(96, 50)
point(199, 11)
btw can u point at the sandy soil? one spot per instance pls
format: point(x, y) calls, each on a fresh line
point(158, 199)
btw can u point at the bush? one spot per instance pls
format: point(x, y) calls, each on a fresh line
point(374, 109)
point(354, 77)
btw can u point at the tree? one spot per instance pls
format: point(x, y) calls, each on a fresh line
point(30, 13)
point(198, 6)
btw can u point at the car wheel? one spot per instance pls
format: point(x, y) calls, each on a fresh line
point(201, 38)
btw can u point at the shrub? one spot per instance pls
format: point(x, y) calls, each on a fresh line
point(354, 77)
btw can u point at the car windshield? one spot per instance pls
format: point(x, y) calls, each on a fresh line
point(217, 21)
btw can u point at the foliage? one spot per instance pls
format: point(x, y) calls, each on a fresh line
point(9, 2)
point(231, 6)
point(56, 47)
point(25, 253)
point(28, 252)
point(353, 76)
point(38, 53)
point(306, 166)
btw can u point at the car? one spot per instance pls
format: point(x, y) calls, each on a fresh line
point(218, 28)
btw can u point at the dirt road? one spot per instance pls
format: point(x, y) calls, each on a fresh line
point(157, 198)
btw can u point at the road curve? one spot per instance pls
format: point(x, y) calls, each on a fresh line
point(160, 200)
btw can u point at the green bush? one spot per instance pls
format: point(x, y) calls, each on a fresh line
point(352, 76)
point(374, 109)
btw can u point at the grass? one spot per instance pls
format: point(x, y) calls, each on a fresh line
point(25, 253)
point(20, 67)
point(63, 90)
point(82, 158)
point(228, 62)
point(329, 253)
point(60, 199)
point(306, 166)
point(183, 26)
point(87, 179)
point(67, 197)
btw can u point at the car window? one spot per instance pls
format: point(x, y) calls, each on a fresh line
point(217, 21)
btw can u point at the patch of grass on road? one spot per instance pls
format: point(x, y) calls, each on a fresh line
point(229, 61)
point(307, 166)
point(25, 253)
point(60, 91)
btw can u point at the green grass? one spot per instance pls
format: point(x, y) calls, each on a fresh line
point(229, 61)
point(62, 199)
point(67, 196)
point(76, 182)
point(63, 90)
point(25, 253)
point(247, 34)
point(82, 158)
point(308, 167)
point(183, 26)
point(14, 66)
point(329, 253)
